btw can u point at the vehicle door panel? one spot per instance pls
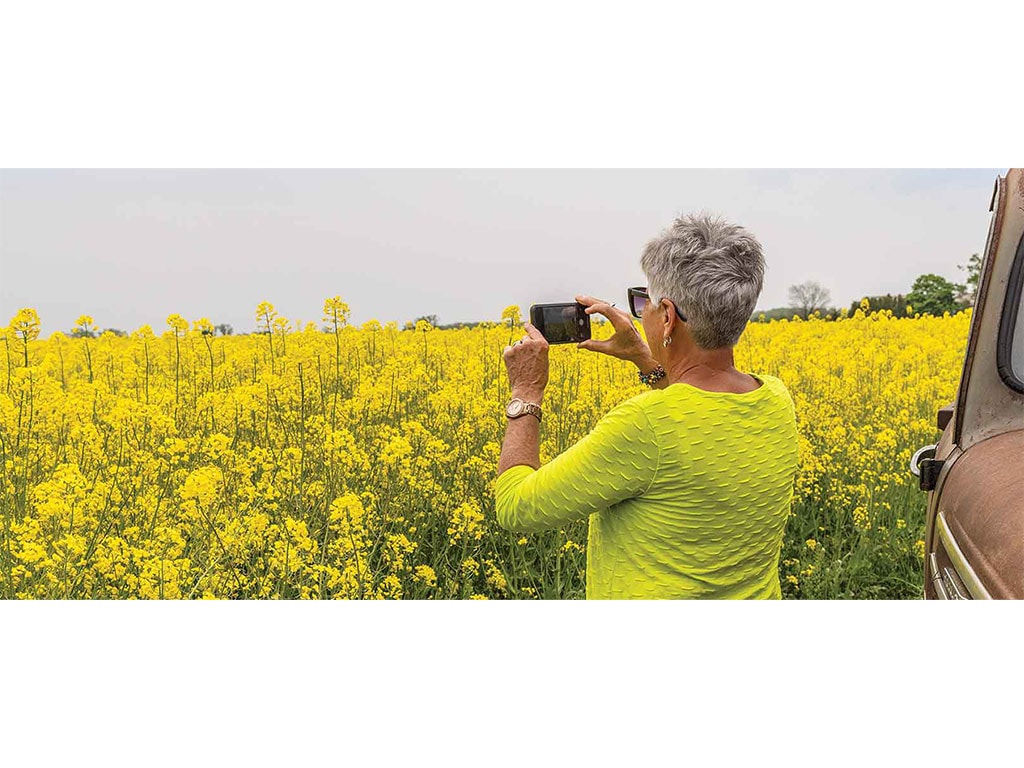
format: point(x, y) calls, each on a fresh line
point(982, 512)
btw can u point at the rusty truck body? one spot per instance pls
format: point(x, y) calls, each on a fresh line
point(974, 474)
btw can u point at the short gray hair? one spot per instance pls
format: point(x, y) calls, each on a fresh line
point(712, 270)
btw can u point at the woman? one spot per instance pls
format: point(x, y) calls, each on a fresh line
point(687, 486)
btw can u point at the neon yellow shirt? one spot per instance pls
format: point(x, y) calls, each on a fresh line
point(687, 493)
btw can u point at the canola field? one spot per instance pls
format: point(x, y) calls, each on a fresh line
point(360, 462)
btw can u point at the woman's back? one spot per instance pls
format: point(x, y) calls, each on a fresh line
point(688, 493)
point(710, 524)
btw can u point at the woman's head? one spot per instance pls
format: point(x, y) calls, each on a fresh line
point(712, 271)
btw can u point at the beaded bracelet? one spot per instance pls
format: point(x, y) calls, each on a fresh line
point(649, 378)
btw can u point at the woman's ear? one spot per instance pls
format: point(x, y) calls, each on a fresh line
point(669, 319)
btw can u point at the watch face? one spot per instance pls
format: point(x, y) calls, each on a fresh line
point(515, 408)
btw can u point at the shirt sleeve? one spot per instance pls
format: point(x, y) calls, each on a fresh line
point(617, 460)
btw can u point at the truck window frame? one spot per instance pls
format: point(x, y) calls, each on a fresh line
point(1008, 322)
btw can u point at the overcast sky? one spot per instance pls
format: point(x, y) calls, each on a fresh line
point(131, 247)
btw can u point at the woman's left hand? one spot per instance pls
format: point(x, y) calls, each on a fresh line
point(527, 364)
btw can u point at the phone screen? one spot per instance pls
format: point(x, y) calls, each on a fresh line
point(561, 323)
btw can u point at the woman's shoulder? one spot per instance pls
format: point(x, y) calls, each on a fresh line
point(635, 406)
point(771, 388)
point(773, 381)
point(777, 385)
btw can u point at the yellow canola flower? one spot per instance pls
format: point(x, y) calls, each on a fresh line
point(337, 312)
point(177, 324)
point(425, 574)
point(467, 522)
point(25, 324)
point(390, 588)
point(203, 486)
point(495, 578)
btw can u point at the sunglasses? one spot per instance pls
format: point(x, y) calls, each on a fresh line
point(638, 298)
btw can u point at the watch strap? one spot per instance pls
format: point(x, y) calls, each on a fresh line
point(531, 408)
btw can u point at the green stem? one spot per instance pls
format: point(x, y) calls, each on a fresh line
point(177, 362)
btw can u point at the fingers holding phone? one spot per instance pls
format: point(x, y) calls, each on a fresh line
point(620, 319)
point(527, 363)
point(626, 343)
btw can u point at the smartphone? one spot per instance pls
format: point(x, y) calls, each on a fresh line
point(561, 323)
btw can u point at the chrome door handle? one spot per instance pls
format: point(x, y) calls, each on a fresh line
point(925, 467)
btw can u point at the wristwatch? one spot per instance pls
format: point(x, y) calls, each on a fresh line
point(518, 407)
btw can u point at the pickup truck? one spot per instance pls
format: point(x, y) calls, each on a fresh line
point(974, 474)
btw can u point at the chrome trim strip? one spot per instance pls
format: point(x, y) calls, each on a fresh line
point(952, 582)
point(964, 571)
point(937, 584)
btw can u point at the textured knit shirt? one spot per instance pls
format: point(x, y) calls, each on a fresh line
point(687, 493)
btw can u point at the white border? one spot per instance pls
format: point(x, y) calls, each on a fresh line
point(463, 84)
point(503, 684)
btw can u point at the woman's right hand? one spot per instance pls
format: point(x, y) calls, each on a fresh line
point(626, 344)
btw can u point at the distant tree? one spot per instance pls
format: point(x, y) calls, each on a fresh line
point(969, 293)
point(411, 324)
point(933, 295)
point(451, 326)
point(808, 297)
point(776, 313)
point(897, 304)
point(224, 329)
point(79, 333)
point(115, 331)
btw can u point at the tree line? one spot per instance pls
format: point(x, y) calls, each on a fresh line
point(930, 294)
point(224, 329)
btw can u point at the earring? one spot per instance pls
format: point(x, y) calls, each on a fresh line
point(666, 341)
